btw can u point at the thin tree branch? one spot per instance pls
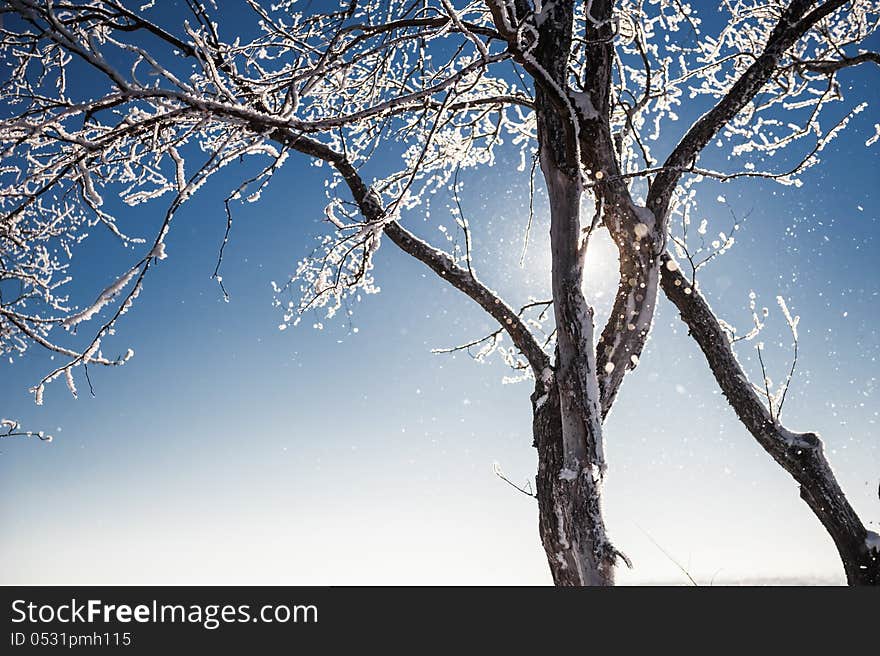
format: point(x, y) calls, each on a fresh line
point(793, 24)
point(438, 261)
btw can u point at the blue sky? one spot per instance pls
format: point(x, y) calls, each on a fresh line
point(228, 451)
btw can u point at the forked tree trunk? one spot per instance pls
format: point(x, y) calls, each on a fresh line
point(568, 417)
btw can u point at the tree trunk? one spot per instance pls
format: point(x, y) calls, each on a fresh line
point(569, 504)
point(567, 409)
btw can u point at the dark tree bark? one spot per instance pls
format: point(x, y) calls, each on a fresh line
point(569, 507)
point(800, 454)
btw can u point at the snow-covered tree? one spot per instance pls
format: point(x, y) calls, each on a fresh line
point(105, 97)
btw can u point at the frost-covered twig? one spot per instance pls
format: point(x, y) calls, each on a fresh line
point(12, 428)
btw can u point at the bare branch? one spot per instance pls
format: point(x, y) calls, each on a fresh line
point(831, 66)
point(800, 454)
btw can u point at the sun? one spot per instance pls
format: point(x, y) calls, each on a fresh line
point(600, 265)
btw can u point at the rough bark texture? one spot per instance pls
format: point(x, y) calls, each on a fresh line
point(800, 454)
point(570, 514)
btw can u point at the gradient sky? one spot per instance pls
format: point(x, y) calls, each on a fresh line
point(228, 451)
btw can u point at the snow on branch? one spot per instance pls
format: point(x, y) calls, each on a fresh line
point(754, 68)
point(12, 428)
point(108, 104)
point(160, 97)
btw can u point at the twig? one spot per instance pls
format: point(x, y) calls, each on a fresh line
point(527, 489)
point(666, 553)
